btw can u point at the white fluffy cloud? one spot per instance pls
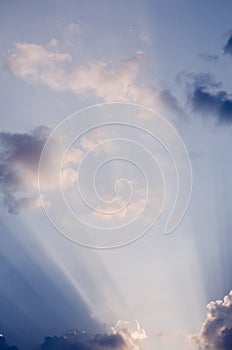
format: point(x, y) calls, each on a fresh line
point(131, 333)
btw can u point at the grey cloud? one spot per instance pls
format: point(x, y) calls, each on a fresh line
point(61, 343)
point(84, 341)
point(5, 346)
point(19, 159)
point(216, 332)
point(170, 101)
point(207, 99)
point(228, 47)
point(124, 336)
point(205, 79)
point(109, 340)
point(121, 337)
point(14, 205)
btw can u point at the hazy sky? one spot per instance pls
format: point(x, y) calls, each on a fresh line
point(58, 57)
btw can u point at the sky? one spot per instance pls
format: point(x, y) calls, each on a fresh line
point(115, 175)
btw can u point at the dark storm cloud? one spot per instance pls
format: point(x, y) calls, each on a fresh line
point(19, 159)
point(216, 332)
point(228, 47)
point(5, 346)
point(207, 99)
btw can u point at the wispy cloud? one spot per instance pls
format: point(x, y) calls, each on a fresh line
point(47, 65)
point(208, 57)
point(37, 63)
point(33, 63)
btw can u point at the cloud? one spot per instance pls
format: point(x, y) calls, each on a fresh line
point(37, 63)
point(208, 57)
point(83, 341)
point(4, 345)
point(216, 332)
point(19, 159)
point(113, 341)
point(45, 64)
point(167, 99)
point(15, 205)
point(124, 336)
point(132, 333)
point(207, 99)
point(32, 63)
point(19, 162)
point(228, 47)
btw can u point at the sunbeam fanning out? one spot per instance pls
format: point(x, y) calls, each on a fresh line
point(115, 175)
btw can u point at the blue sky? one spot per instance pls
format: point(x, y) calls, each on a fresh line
point(173, 57)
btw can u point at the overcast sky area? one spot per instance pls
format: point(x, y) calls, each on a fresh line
point(162, 291)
